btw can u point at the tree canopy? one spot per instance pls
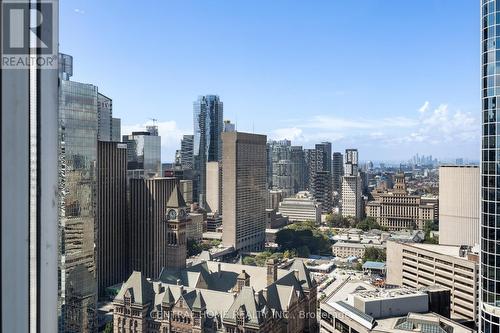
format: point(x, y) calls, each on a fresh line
point(369, 223)
point(374, 254)
point(304, 239)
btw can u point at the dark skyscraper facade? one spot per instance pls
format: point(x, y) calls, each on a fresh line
point(337, 171)
point(148, 241)
point(208, 123)
point(490, 169)
point(325, 163)
point(319, 173)
point(298, 168)
point(112, 242)
point(187, 161)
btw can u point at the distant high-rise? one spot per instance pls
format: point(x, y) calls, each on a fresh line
point(105, 115)
point(29, 210)
point(208, 113)
point(351, 162)
point(352, 204)
point(351, 197)
point(319, 166)
point(116, 129)
point(244, 190)
point(144, 153)
point(337, 171)
point(321, 183)
point(214, 187)
point(148, 228)
point(229, 126)
point(187, 160)
point(298, 168)
point(459, 212)
point(325, 150)
point(490, 199)
point(112, 241)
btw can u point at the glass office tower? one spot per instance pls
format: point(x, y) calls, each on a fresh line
point(144, 153)
point(208, 125)
point(78, 130)
point(490, 168)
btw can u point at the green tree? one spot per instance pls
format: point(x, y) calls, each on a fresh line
point(249, 261)
point(337, 221)
point(430, 226)
point(299, 236)
point(374, 254)
point(215, 242)
point(368, 223)
point(303, 251)
point(205, 246)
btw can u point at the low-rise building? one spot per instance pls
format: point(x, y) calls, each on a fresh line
point(422, 265)
point(301, 208)
point(275, 220)
point(347, 249)
point(382, 310)
point(213, 222)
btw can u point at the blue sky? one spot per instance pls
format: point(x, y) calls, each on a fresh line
point(389, 77)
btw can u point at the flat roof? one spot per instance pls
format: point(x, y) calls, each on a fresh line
point(342, 288)
point(448, 250)
point(212, 235)
point(385, 294)
point(374, 265)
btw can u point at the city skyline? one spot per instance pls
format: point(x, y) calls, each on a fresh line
point(333, 172)
point(310, 51)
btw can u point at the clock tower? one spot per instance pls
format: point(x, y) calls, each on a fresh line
point(176, 219)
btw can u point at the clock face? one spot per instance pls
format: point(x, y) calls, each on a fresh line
point(172, 214)
point(182, 213)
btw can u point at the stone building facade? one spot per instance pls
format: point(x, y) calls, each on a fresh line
point(209, 298)
point(396, 210)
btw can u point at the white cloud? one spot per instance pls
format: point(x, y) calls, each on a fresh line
point(170, 133)
point(438, 126)
point(443, 125)
point(424, 108)
point(337, 123)
point(79, 11)
point(292, 133)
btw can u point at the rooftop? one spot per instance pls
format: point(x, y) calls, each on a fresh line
point(374, 265)
point(342, 288)
point(383, 294)
point(449, 250)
